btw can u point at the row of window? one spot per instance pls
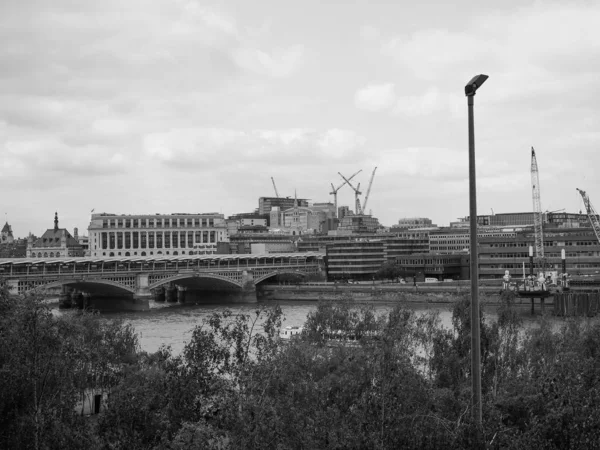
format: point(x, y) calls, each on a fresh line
point(143, 239)
point(175, 253)
point(158, 223)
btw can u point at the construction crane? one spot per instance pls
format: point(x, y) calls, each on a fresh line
point(335, 190)
point(275, 187)
point(356, 193)
point(364, 206)
point(537, 208)
point(591, 212)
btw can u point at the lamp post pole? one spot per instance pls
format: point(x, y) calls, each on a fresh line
point(470, 90)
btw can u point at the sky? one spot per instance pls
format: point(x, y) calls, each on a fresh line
point(172, 106)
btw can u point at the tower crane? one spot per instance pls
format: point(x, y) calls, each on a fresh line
point(275, 187)
point(591, 212)
point(356, 193)
point(537, 208)
point(364, 206)
point(335, 190)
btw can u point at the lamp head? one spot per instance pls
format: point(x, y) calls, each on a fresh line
point(475, 84)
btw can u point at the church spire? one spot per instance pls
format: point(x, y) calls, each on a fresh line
point(295, 199)
point(55, 221)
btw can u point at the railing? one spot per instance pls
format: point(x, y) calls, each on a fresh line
point(92, 269)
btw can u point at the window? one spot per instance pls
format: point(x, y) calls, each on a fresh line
point(150, 240)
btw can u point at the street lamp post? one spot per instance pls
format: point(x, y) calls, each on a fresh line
point(470, 90)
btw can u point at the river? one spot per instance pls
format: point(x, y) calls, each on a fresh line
point(172, 324)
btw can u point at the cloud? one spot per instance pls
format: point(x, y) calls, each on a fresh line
point(375, 97)
point(210, 148)
point(277, 64)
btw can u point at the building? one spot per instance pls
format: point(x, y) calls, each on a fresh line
point(343, 211)
point(156, 234)
point(412, 223)
point(357, 223)
point(500, 253)
point(441, 267)
point(84, 241)
point(266, 204)
point(448, 241)
point(6, 236)
point(54, 243)
point(245, 243)
point(354, 259)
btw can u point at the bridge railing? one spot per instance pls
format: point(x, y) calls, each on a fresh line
point(107, 267)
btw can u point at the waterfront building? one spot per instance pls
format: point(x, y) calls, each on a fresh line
point(500, 253)
point(441, 267)
point(54, 243)
point(265, 204)
point(156, 234)
point(354, 259)
point(447, 241)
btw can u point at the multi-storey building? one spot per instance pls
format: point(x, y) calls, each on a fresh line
point(156, 234)
point(413, 222)
point(354, 259)
point(54, 243)
point(500, 253)
point(358, 223)
point(265, 204)
point(447, 241)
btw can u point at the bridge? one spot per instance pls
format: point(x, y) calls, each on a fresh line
point(131, 282)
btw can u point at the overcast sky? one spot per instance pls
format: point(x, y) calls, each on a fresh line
point(136, 106)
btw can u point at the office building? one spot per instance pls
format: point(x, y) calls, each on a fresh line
point(156, 234)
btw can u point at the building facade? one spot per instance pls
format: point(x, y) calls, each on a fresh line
point(354, 259)
point(54, 243)
point(265, 204)
point(6, 236)
point(499, 253)
point(155, 234)
point(413, 222)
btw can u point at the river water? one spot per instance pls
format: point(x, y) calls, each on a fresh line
point(172, 324)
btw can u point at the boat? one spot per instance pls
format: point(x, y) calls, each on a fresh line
point(288, 333)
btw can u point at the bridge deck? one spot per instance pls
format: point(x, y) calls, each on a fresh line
point(19, 267)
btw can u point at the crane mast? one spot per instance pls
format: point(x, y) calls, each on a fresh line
point(591, 212)
point(364, 206)
point(537, 207)
point(356, 193)
point(335, 190)
point(275, 187)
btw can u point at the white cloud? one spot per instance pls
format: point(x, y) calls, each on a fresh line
point(206, 147)
point(375, 97)
point(279, 63)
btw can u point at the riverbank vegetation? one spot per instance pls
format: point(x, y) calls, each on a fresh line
point(394, 380)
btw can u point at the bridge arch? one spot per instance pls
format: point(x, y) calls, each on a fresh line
point(84, 284)
point(280, 272)
point(189, 276)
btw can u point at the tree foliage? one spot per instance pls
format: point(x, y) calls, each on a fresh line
point(355, 378)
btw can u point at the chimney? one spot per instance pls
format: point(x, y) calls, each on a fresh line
point(76, 234)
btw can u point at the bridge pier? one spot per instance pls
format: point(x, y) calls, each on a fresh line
point(181, 294)
point(248, 294)
point(159, 294)
point(170, 293)
point(64, 300)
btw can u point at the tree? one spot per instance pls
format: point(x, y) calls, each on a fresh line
point(389, 270)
